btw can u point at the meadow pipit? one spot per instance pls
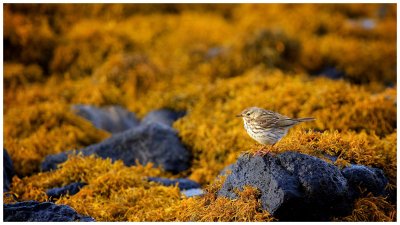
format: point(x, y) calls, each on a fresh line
point(267, 127)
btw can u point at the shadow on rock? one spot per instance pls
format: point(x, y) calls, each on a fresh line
point(8, 171)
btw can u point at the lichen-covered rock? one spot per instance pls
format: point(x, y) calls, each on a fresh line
point(183, 184)
point(164, 116)
point(363, 178)
point(70, 189)
point(8, 171)
point(32, 211)
point(113, 119)
point(154, 142)
point(293, 186)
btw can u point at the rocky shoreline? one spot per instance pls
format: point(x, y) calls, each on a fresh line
point(293, 186)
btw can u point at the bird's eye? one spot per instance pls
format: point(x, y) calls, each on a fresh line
point(248, 114)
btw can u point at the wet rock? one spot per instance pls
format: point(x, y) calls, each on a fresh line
point(294, 186)
point(113, 119)
point(32, 211)
point(153, 142)
point(363, 178)
point(183, 184)
point(164, 116)
point(8, 171)
point(70, 189)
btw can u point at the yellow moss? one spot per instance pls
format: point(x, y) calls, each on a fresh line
point(371, 209)
point(210, 208)
point(44, 129)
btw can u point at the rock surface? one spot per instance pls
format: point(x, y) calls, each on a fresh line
point(193, 192)
point(32, 211)
point(332, 73)
point(183, 184)
point(113, 119)
point(8, 171)
point(298, 187)
point(164, 116)
point(365, 178)
point(70, 189)
point(153, 142)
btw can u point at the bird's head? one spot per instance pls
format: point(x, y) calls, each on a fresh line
point(250, 113)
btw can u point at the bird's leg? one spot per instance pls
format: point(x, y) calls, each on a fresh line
point(262, 151)
point(265, 150)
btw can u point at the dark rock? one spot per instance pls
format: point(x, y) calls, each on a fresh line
point(294, 186)
point(8, 171)
point(51, 161)
point(113, 119)
point(391, 195)
point(183, 184)
point(32, 211)
point(332, 73)
point(331, 157)
point(70, 189)
point(363, 178)
point(146, 143)
point(164, 116)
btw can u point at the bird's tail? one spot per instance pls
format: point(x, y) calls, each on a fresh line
point(305, 119)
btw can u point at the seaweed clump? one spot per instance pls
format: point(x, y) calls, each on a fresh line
point(45, 129)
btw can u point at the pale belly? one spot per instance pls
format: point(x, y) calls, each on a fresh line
point(266, 136)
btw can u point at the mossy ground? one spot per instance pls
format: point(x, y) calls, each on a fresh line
point(213, 61)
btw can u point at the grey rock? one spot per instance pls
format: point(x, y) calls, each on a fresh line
point(226, 170)
point(293, 186)
point(183, 184)
point(164, 116)
point(52, 161)
point(8, 171)
point(153, 142)
point(70, 189)
point(113, 119)
point(193, 192)
point(32, 211)
point(365, 178)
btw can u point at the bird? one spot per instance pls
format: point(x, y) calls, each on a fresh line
point(267, 127)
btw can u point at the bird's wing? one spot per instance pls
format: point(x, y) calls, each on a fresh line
point(275, 120)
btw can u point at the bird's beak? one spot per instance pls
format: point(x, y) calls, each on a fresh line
point(239, 115)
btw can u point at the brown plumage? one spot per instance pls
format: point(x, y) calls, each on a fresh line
point(267, 127)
